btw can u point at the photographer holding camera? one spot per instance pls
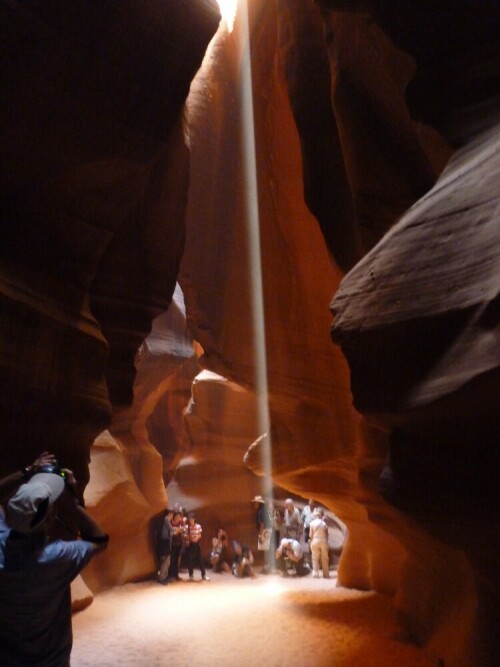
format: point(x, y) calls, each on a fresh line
point(35, 573)
point(290, 552)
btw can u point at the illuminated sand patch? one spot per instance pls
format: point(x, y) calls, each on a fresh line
point(264, 622)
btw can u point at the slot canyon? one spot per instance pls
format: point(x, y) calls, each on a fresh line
point(353, 359)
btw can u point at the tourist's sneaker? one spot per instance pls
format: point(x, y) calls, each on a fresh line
point(316, 575)
point(191, 577)
point(205, 578)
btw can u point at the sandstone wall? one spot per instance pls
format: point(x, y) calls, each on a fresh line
point(102, 192)
point(94, 187)
point(365, 161)
point(417, 317)
point(93, 208)
point(319, 445)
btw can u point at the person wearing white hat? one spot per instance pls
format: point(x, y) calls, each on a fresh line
point(35, 573)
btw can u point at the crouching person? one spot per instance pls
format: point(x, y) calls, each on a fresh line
point(35, 573)
point(243, 561)
point(290, 553)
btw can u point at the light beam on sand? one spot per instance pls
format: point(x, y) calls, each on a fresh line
point(251, 197)
point(273, 588)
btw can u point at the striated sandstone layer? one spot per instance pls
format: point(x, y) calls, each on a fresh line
point(320, 448)
point(93, 208)
point(143, 443)
point(417, 317)
point(94, 186)
point(370, 163)
point(95, 193)
point(210, 479)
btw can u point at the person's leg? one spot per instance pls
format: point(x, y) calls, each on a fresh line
point(266, 569)
point(164, 567)
point(173, 571)
point(190, 552)
point(178, 556)
point(200, 560)
point(270, 554)
point(302, 568)
point(315, 559)
point(324, 560)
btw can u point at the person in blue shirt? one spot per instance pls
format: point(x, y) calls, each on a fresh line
point(35, 573)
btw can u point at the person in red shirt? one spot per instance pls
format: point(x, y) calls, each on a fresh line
point(193, 551)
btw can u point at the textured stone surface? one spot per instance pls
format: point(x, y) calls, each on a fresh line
point(417, 318)
point(363, 161)
point(92, 224)
point(141, 448)
point(210, 478)
point(95, 194)
point(432, 279)
point(319, 446)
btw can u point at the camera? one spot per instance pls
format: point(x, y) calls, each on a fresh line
point(53, 468)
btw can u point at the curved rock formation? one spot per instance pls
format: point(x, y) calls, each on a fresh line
point(370, 189)
point(418, 317)
point(94, 187)
point(93, 208)
point(319, 446)
point(101, 195)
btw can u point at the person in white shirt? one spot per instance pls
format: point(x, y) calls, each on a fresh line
point(318, 535)
point(290, 552)
point(293, 521)
point(307, 517)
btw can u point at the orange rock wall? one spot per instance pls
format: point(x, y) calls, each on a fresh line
point(320, 446)
point(94, 188)
point(110, 198)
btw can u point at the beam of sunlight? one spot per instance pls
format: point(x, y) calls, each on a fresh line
point(253, 232)
point(228, 12)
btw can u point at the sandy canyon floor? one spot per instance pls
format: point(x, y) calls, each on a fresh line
point(266, 622)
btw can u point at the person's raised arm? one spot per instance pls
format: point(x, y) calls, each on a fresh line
point(12, 481)
point(73, 513)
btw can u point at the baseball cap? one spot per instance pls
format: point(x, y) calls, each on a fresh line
point(28, 508)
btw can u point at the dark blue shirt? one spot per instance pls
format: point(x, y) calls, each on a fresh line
point(35, 598)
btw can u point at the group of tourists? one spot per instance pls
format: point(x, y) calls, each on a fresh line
point(290, 535)
point(179, 534)
point(294, 538)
